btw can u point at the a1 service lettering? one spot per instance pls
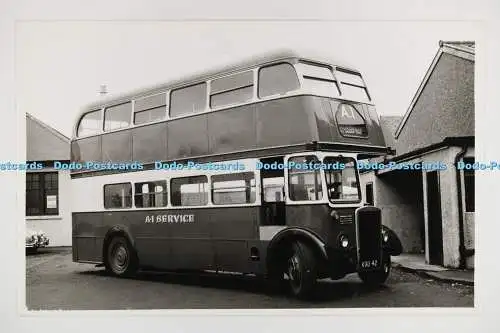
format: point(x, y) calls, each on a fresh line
point(170, 218)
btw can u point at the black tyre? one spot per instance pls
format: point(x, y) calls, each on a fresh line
point(378, 277)
point(301, 269)
point(121, 258)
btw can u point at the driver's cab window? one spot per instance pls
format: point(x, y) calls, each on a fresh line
point(304, 179)
point(342, 182)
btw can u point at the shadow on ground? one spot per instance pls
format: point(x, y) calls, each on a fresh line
point(326, 290)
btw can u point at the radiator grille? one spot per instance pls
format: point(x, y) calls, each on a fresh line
point(369, 238)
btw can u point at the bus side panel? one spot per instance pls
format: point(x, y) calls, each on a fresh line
point(86, 239)
point(317, 219)
point(232, 229)
point(187, 137)
point(150, 238)
point(191, 247)
point(232, 130)
point(293, 118)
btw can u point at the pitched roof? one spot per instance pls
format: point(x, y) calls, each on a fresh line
point(389, 125)
point(462, 49)
point(49, 128)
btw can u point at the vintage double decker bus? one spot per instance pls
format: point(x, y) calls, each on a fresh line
point(248, 169)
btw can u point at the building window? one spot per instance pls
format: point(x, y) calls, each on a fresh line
point(42, 193)
point(469, 186)
point(188, 100)
point(91, 123)
point(234, 89)
point(237, 188)
point(189, 191)
point(117, 196)
point(277, 80)
point(304, 184)
point(118, 116)
point(151, 194)
point(149, 109)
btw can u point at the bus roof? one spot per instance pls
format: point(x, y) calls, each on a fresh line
point(247, 63)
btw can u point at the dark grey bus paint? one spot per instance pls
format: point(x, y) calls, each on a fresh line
point(303, 239)
point(219, 238)
point(301, 119)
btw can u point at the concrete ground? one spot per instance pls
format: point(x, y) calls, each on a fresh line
point(53, 281)
point(416, 263)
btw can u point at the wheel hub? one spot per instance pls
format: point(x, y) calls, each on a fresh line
point(120, 257)
point(293, 269)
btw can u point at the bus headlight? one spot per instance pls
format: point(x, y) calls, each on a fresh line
point(334, 215)
point(344, 241)
point(385, 236)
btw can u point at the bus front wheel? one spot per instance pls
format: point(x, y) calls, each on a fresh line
point(121, 259)
point(301, 270)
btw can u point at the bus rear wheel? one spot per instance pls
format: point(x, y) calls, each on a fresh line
point(121, 259)
point(301, 270)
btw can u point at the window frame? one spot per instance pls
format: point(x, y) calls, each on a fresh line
point(159, 106)
point(315, 172)
point(356, 174)
point(130, 116)
point(41, 192)
point(274, 95)
point(100, 127)
point(119, 208)
point(249, 72)
point(250, 187)
point(207, 184)
point(342, 83)
point(164, 193)
point(206, 102)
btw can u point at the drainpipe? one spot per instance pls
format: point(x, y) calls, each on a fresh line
point(461, 249)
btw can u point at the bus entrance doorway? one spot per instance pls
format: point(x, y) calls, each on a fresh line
point(273, 191)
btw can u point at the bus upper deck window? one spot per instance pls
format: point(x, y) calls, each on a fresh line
point(188, 100)
point(117, 116)
point(318, 79)
point(277, 79)
point(352, 86)
point(90, 123)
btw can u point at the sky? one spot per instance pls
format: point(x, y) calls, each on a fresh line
point(60, 65)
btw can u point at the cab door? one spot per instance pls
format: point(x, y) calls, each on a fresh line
point(306, 202)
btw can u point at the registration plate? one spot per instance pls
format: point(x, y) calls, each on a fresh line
point(369, 264)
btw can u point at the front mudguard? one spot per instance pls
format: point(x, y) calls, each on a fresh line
point(393, 245)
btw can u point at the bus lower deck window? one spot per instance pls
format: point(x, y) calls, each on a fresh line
point(236, 188)
point(189, 191)
point(118, 195)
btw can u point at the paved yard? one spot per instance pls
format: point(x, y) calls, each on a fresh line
point(53, 281)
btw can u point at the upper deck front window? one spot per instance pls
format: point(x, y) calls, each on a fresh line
point(352, 86)
point(90, 123)
point(341, 183)
point(277, 80)
point(318, 79)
